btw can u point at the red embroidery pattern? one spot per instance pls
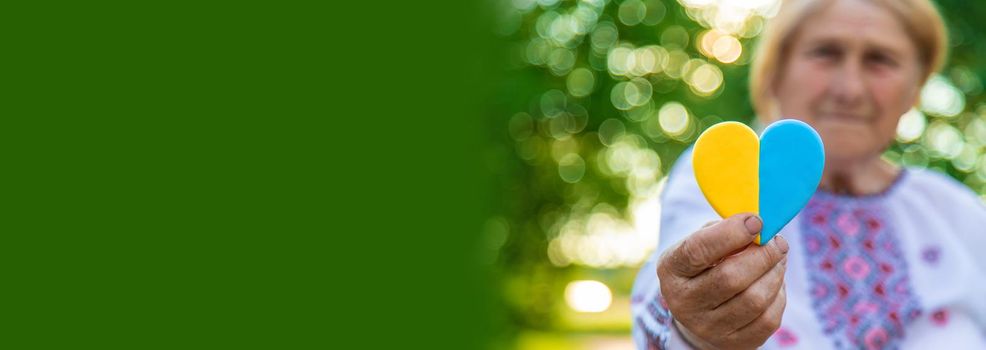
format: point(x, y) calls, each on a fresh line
point(785, 337)
point(860, 286)
point(940, 317)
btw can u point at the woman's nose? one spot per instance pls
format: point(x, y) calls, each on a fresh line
point(849, 86)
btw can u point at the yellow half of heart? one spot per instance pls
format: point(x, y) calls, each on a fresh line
point(727, 162)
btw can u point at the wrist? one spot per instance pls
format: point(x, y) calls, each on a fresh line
point(691, 339)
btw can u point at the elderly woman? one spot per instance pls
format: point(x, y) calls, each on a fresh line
point(881, 257)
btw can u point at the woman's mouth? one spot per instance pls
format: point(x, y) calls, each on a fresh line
point(848, 118)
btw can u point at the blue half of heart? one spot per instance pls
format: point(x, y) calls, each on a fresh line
point(791, 161)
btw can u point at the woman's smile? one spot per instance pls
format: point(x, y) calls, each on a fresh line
point(844, 119)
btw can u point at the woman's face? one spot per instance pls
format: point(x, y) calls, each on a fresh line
point(850, 72)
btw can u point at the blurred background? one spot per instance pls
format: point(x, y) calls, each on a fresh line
point(595, 103)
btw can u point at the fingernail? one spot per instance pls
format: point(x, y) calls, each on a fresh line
point(781, 244)
point(753, 225)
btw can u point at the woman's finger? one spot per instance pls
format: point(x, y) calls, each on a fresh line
point(706, 247)
point(753, 301)
point(767, 323)
point(738, 272)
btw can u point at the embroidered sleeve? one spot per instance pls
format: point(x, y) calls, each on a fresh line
point(653, 325)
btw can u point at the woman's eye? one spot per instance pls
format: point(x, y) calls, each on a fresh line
point(824, 52)
point(881, 59)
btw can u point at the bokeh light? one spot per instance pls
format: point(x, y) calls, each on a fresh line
point(632, 12)
point(571, 168)
point(588, 296)
point(911, 126)
point(939, 97)
point(674, 37)
point(610, 130)
point(705, 79)
point(726, 49)
point(580, 82)
point(673, 118)
point(944, 140)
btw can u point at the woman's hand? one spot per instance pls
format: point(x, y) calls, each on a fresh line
point(723, 291)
